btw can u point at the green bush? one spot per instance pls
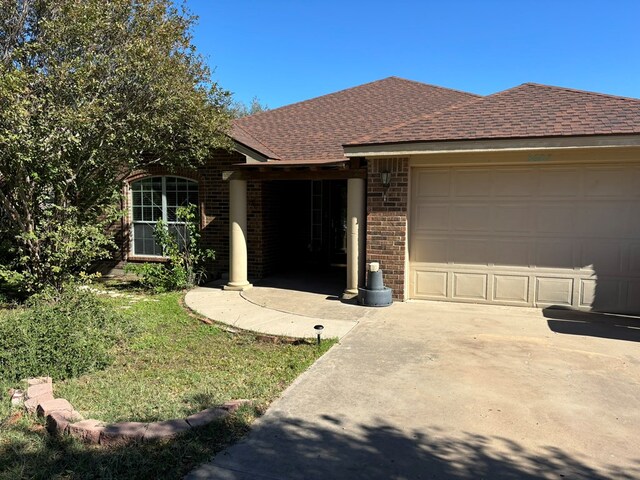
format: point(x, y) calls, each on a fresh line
point(185, 259)
point(61, 335)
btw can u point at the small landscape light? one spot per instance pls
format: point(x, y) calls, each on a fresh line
point(318, 329)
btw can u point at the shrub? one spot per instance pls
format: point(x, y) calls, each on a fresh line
point(184, 267)
point(58, 334)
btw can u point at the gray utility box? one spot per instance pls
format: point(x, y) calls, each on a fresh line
point(375, 294)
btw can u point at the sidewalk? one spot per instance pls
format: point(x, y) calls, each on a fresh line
point(231, 308)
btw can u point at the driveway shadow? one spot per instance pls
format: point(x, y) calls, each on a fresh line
point(574, 322)
point(295, 449)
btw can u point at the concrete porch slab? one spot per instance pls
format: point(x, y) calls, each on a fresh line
point(231, 308)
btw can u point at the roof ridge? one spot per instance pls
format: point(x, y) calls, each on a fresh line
point(244, 130)
point(326, 95)
point(577, 90)
point(289, 105)
point(436, 86)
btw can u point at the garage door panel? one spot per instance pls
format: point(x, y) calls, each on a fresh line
point(606, 182)
point(430, 250)
point(471, 218)
point(602, 219)
point(474, 183)
point(554, 291)
point(554, 254)
point(511, 218)
point(434, 183)
point(602, 257)
point(511, 289)
point(513, 182)
point(559, 182)
point(605, 294)
point(431, 218)
point(469, 251)
point(554, 218)
point(587, 292)
point(633, 296)
point(634, 259)
point(470, 286)
point(431, 284)
point(511, 252)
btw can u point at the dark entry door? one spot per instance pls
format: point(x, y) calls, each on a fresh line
point(338, 212)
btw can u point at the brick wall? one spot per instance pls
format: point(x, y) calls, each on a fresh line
point(387, 220)
point(263, 228)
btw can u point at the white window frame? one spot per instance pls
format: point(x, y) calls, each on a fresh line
point(132, 222)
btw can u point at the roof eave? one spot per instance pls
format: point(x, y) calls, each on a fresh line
point(252, 154)
point(488, 145)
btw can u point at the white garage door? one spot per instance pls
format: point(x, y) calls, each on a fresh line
point(531, 235)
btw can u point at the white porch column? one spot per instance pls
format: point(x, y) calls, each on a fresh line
point(237, 236)
point(355, 234)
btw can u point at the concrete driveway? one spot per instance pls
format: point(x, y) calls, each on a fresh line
point(443, 390)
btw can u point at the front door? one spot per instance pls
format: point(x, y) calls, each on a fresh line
point(338, 212)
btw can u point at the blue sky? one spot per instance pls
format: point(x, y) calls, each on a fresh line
point(284, 51)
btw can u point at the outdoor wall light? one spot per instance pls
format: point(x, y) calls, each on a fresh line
point(385, 178)
point(318, 329)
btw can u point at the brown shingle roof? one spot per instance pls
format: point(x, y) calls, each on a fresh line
point(315, 129)
point(529, 110)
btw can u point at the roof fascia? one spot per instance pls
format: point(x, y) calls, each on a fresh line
point(511, 144)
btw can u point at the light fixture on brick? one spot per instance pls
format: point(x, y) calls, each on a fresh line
point(385, 178)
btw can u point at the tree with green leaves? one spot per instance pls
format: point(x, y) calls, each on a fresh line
point(89, 91)
point(240, 109)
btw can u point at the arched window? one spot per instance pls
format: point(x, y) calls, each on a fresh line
point(154, 199)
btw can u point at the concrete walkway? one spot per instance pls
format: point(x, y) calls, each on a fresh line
point(284, 318)
point(443, 390)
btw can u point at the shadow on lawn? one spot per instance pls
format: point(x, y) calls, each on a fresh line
point(34, 454)
point(296, 449)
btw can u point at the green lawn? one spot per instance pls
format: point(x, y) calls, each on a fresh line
point(173, 366)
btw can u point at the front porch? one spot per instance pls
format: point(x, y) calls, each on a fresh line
point(304, 217)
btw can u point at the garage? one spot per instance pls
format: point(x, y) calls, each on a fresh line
point(530, 235)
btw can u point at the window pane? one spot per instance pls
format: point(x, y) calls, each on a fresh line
point(171, 214)
point(137, 214)
point(136, 198)
point(182, 198)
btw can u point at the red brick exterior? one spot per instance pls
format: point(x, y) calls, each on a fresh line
point(387, 221)
point(262, 228)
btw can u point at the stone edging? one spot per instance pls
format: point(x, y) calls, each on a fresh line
point(62, 418)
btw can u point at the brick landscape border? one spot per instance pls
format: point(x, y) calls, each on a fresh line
point(62, 418)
